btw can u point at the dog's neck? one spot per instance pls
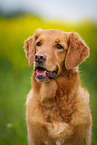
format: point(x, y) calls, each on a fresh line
point(62, 84)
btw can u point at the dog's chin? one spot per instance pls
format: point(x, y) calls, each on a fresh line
point(44, 75)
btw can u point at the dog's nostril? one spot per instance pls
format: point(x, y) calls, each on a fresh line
point(41, 57)
point(36, 58)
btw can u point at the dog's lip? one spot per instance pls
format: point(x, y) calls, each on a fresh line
point(44, 74)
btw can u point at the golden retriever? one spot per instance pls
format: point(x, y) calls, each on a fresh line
point(58, 110)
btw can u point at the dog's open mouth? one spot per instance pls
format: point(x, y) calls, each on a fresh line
point(43, 74)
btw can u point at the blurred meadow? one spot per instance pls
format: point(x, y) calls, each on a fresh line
point(15, 73)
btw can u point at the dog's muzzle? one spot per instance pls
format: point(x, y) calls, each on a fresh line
point(41, 73)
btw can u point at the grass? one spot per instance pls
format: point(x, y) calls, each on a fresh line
point(12, 107)
point(15, 73)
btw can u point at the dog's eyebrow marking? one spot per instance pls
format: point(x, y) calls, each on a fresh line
point(57, 40)
point(36, 36)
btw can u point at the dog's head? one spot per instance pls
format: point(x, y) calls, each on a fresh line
point(53, 49)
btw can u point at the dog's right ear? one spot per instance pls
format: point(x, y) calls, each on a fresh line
point(30, 49)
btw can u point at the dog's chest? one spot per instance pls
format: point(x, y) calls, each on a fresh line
point(61, 110)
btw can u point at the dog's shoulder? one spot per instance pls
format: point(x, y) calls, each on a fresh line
point(29, 96)
point(82, 112)
point(83, 95)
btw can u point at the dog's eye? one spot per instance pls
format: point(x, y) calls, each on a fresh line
point(59, 46)
point(38, 44)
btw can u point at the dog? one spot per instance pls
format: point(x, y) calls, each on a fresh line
point(57, 107)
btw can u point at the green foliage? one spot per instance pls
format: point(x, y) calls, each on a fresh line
point(84, 142)
point(15, 73)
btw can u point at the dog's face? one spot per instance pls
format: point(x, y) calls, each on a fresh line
point(52, 49)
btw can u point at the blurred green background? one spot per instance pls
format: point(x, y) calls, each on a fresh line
point(15, 74)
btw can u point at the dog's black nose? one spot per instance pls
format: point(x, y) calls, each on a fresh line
point(40, 57)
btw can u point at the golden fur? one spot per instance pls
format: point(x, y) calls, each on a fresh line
point(58, 110)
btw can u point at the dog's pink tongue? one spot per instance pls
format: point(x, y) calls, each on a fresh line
point(40, 72)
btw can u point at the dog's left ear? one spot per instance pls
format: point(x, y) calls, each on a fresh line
point(77, 51)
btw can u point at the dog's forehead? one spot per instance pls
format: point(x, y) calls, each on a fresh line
point(54, 34)
point(53, 31)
